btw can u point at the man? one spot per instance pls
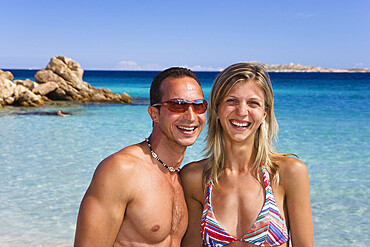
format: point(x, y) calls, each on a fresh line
point(135, 197)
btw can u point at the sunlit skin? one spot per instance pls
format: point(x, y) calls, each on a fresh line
point(242, 112)
point(239, 197)
point(133, 200)
point(182, 129)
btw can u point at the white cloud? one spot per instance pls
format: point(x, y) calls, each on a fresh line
point(128, 65)
point(202, 68)
point(132, 65)
point(155, 67)
point(359, 64)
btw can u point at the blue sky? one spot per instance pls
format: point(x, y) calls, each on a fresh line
point(202, 35)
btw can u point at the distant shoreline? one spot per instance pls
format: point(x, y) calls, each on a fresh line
point(280, 68)
point(309, 69)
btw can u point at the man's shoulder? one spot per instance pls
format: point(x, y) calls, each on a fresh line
point(126, 157)
point(115, 178)
point(124, 163)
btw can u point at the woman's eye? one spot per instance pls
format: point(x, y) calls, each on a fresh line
point(231, 101)
point(254, 103)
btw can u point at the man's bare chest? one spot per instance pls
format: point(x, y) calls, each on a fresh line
point(157, 212)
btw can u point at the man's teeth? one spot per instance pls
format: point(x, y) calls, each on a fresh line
point(240, 124)
point(186, 128)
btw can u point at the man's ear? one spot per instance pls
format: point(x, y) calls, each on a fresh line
point(153, 113)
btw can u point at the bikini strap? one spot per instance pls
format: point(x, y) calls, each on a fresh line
point(266, 178)
point(209, 189)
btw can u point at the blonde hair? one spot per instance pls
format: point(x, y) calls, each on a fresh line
point(263, 143)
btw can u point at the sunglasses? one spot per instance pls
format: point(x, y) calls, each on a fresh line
point(181, 105)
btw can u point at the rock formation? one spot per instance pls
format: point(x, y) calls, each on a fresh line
point(60, 80)
point(16, 93)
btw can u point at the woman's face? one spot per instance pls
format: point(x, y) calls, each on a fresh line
point(242, 111)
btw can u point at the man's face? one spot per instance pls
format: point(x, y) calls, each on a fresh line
point(181, 128)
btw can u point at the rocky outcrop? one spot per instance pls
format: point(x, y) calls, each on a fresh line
point(6, 75)
point(18, 92)
point(60, 80)
point(64, 76)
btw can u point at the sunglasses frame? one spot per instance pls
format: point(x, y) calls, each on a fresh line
point(185, 104)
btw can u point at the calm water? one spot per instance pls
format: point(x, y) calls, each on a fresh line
point(47, 161)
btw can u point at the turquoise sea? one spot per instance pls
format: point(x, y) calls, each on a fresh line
point(46, 161)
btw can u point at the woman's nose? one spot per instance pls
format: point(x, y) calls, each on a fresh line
point(242, 109)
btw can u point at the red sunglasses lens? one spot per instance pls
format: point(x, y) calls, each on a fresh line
point(181, 107)
point(200, 107)
point(177, 107)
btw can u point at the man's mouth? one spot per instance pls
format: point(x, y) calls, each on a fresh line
point(186, 128)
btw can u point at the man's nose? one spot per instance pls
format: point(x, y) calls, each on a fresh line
point(190, 114)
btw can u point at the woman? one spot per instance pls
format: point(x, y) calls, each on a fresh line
point(245, 193)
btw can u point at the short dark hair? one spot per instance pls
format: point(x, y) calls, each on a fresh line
point(175, 72)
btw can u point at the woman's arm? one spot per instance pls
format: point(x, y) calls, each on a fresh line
point(191, 178)
point(294, 179)
point(192, 236)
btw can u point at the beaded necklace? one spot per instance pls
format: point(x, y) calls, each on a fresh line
point(155, 156)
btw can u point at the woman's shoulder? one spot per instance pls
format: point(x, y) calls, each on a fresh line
point(291, 170)
point(194, 168)
point(290, 165)
point(192, 175)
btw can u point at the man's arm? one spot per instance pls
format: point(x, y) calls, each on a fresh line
point(103, 206)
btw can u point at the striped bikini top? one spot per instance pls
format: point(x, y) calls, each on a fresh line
point(268, 230)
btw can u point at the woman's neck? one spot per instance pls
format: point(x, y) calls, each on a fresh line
point(239, 156)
